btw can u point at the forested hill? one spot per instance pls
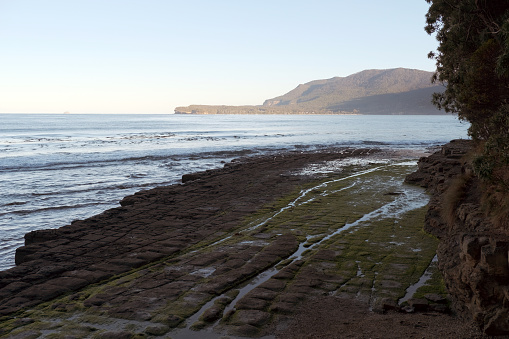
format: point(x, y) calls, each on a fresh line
point(390, 91)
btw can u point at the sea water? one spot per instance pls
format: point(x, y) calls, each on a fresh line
point(58, 168)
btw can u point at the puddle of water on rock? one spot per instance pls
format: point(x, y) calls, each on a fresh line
point(219, 241)
point(303, 246)
point(213, 244)
point(303, 194)
point(410, 200)
point(335, 166)
point(204, 272)
point(326, 193)
point(254, 283)
point(410, 291)
point(208, 332)
point(359, 270)
point(254, 242)
point(251, 285)
point(406, 163)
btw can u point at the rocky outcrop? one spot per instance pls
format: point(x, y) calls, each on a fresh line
point(472, 254)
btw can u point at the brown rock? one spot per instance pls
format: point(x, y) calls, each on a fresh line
point(440, 308)
point(157, 330)
point(283, 308)
point(495, 260)
point(251, 317)
point(191, 177)
point(43, 292)
point(419, 305)
point(388, 304)
point(498, 323)
point(435, 298)
point(173, 321)
point(291, 298)
point(41, 236)
point(247, 303)
point(13, 288)
point(273, 285)
point(262, 293)
point(470, 246)
point(284, 275)
point(245, 330)
point(212, 314)
point(115, 335)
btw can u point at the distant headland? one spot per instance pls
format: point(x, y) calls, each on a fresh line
point(398, 91)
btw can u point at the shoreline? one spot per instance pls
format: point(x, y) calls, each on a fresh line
point(154, 244)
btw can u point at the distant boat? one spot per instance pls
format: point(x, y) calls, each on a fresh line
point(67, 112)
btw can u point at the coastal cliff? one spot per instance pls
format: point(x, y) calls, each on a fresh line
point(472, 253)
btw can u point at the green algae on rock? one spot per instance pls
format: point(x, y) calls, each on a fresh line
point(340, 235)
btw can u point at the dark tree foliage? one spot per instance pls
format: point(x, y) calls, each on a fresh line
point(473, 62)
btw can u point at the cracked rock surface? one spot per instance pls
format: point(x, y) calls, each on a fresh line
point(262, 247)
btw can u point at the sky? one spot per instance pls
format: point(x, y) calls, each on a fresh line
point(149, 56)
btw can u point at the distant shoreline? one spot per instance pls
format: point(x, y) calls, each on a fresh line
point(401, 114)
point(256, 109)
point(277, 110)
point(303, 113)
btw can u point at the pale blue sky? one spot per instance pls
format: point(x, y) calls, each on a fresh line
point(148, 56)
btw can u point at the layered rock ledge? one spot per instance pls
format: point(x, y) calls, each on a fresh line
point(472, 254)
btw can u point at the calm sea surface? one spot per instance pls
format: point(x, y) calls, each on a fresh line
point(58, 168)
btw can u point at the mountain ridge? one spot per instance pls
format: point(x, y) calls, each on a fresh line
point(374, 91)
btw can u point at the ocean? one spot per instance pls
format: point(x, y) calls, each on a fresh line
point(56, 168)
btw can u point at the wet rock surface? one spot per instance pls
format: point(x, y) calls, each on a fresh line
point(240, 251)
point(149, 226)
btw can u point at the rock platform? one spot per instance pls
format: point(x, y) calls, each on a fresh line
point(240, 250)
point(149, 225)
